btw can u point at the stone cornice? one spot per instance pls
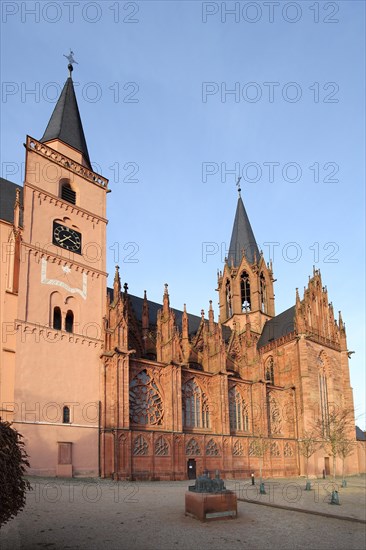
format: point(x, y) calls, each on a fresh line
point(66, 162)
point(53, 335)
point(54, 257)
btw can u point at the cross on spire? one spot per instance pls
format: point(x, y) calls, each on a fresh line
point(238, 185)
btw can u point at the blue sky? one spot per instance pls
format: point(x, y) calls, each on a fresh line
point(153, 82)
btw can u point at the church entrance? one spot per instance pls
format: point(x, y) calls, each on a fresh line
point(326, 466)
point(191, 468)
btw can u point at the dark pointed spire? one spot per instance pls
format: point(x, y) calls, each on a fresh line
point(65, 122)
point(242, 237)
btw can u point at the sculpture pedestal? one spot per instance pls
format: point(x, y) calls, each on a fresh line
point(211, 506)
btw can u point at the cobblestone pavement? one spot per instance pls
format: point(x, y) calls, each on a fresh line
point(101, 514)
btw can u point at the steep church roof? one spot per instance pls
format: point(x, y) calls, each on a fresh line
point(278, 326)
point(242, 238)
point(65, 122)
point(7, 200)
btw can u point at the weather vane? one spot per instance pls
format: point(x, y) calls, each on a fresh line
point(71, 60)
point(238, 185)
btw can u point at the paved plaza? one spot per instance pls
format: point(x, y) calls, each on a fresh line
point(101, 514)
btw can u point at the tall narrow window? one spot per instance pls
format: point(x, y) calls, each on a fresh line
point(269, 371)
point(57, 318)
point(263, 290)
point(238, 411)
point(195, 406)
point(229, 311)
point(67, 193)
point(69, 321)
point(245, 291)
point(66, 415)
point(323, 397)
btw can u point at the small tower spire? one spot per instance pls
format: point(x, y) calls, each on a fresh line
point(166, 299)
point(185, 323)
point(116, 284)
point(211, 317)
point(65, 123)
point(145, 313)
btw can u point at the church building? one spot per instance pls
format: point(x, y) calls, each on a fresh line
point(103, 383)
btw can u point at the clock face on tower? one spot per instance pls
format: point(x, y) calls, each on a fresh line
point(66, 238)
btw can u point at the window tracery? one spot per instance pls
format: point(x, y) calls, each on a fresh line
point(161, 447)
point(245, 292)
point(238, 411)
point(288, 450)
point(192, 448)
point(195, 406)
point(275, 451)
point(238, 449)
point(323, 396)
point(211, 448)
point(140, 446)
point(146, 405)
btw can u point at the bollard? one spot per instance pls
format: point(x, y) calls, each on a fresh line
point(335, 498)
point(308, 486)
point(262, 490)
point(344, 483)
point(253, 481)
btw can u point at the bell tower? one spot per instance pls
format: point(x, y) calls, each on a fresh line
point(60, 309)
point(245, 285)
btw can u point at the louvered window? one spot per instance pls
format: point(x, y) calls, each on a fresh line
point(67, 194)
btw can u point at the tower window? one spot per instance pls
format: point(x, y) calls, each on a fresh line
point(66, 415)
point(57, 318)
point(67, 194)
point(263, 293)
point(245, 291)
point(229, 310)
point(69, 321)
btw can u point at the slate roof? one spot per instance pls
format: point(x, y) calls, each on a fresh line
point(360, 435)
point(242, 237)
point(65, 122)
point(282, 324)
point(194, 321)
point(7, 200)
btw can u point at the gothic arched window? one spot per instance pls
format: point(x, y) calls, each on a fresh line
point(323, 396)
point(229, 309)
point(195, 406)
point(69, 321)
point(245, 291)
point(57, 318)
point(146, 405)
point(238, 411)
point(269, 371)
point(263, 291)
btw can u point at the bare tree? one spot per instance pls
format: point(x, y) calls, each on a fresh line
point(334, 431)
point(258, 448)
point(346, 447)
point(308, 444)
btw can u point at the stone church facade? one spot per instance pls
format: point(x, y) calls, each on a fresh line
point(101, 382)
